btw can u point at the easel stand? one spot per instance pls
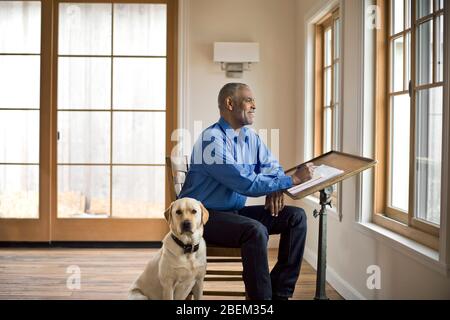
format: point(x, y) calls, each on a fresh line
point(325, 200)
point(350, 165)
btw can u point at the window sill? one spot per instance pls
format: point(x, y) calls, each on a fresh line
point(420, 253)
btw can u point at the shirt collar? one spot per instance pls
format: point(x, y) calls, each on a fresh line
point(226, 128)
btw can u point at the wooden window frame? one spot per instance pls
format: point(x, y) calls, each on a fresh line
point(328, 21)
point(404, 223)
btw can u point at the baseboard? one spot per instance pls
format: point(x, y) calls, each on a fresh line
point(339, 284)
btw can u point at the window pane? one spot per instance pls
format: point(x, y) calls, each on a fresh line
point(20, 25)
point(140, 83)
point(19, 136)
point(83, 191)
point(400, 132)
point(138, 192)
point(327, 88)
point(337, 37)
point(408, 14)
point(424, 62)
point(336, 81)
point(407, 60)
point(19, 196)
point(328, 47)
point(335, 129)
point(84, 137)
point(84, 28)
point(429, 154)
point(84, 83)
point(441, 4)
point(327, 130)
point(423, 8)
point(140, 29)
point(440, 49)
point(397, 16)
point(137, 137)
point(19, 81)
point(397, 65)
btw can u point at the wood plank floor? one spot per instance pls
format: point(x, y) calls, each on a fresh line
point(105, 274)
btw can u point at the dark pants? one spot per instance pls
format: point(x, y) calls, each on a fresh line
point(249, 229)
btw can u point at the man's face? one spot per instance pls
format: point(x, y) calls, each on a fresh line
point(244, 107)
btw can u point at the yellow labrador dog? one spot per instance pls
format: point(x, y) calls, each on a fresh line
point(179, 267)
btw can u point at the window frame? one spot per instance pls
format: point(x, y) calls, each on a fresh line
point(327, 22)
point(403, 223)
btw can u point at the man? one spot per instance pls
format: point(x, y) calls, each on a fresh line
point(229, 163)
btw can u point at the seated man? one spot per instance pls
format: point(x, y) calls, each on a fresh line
point(230, 162)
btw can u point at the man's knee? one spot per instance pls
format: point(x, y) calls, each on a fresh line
point(256, 231)
point(297, 217)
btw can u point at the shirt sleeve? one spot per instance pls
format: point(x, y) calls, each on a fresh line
point(239, 177)
point(266, 163)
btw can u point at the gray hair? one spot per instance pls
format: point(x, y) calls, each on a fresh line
point(229, 90)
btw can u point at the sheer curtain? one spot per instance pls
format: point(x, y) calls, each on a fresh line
point(112, 110)
point(20, 25)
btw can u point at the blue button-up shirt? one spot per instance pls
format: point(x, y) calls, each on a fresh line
point(226, 167)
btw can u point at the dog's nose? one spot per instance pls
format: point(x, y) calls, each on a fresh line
point(186, 225)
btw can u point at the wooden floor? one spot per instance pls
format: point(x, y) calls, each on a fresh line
point(105, 274)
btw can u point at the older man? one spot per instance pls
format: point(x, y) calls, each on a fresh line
point(229, 163)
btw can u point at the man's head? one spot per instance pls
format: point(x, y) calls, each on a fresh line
point(237, 104)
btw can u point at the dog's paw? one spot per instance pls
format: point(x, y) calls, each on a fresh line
point(136, 294)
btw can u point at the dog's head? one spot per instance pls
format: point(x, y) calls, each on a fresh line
point(186, 216)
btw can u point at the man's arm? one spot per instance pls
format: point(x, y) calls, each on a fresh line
point(238, 177)
point(266, 161)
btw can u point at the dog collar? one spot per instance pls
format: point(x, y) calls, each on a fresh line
point(188, 248)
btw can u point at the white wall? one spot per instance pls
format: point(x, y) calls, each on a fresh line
point(269, 22)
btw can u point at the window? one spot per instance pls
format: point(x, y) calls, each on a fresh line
point(410, 111)
point(327, 87)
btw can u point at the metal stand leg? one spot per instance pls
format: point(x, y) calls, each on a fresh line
point(325, 196)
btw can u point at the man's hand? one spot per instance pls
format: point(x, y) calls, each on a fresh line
point(303, 173)
point(275, 203)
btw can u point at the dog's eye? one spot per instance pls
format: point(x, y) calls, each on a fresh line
point(194, 211)
point(178, 212)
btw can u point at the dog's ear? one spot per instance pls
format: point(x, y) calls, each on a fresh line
point(168, 213)
point(205, 213)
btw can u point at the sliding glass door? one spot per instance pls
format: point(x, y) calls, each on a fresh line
point(111, 120)
point(23, 105)
point(87, 103)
